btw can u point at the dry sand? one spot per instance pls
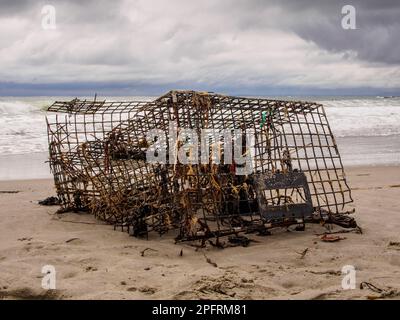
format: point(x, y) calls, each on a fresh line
point(93, 261)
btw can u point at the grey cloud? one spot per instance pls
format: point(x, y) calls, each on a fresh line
point(256, 43)
point(14, 7)
point(376, 38)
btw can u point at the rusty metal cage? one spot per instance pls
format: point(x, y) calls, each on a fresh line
point(99, 158)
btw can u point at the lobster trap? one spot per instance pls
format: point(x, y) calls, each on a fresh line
point(203, 164)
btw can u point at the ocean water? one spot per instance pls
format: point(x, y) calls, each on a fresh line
point(367, 131)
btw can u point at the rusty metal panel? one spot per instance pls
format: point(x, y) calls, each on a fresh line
point(292, 198)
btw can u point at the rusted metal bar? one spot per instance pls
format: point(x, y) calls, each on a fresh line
point(98, 155)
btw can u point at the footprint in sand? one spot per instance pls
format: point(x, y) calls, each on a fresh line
point(69, 275)
point(90, 268)
point(25, 239)
point(131, 289)
point(27, 247)
point(29, 294)
point(147, 290)
point(287, 284)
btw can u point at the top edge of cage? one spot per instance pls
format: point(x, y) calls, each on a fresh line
point(77, 106)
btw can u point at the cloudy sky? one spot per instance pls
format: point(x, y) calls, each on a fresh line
point(145, 47)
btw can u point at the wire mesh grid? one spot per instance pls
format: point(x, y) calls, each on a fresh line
point(99, 158)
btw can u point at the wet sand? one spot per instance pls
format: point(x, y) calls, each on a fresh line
point(93, 261)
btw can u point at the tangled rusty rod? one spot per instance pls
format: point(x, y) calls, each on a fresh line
point(98, 155)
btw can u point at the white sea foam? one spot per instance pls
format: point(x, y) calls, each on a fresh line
point(23, 127)
point(364, 117)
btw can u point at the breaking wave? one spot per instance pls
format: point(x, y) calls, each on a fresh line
point(23, 127)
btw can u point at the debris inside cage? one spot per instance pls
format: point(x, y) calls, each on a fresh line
point(203, 164)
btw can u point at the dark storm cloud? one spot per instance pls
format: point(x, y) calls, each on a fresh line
point(76, 10)
point(12, 7)
point(251, 45)
point(376, 38)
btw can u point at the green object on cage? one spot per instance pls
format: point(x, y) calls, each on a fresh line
point(263, 118)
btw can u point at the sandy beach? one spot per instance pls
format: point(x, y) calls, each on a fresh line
point(93, 261)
